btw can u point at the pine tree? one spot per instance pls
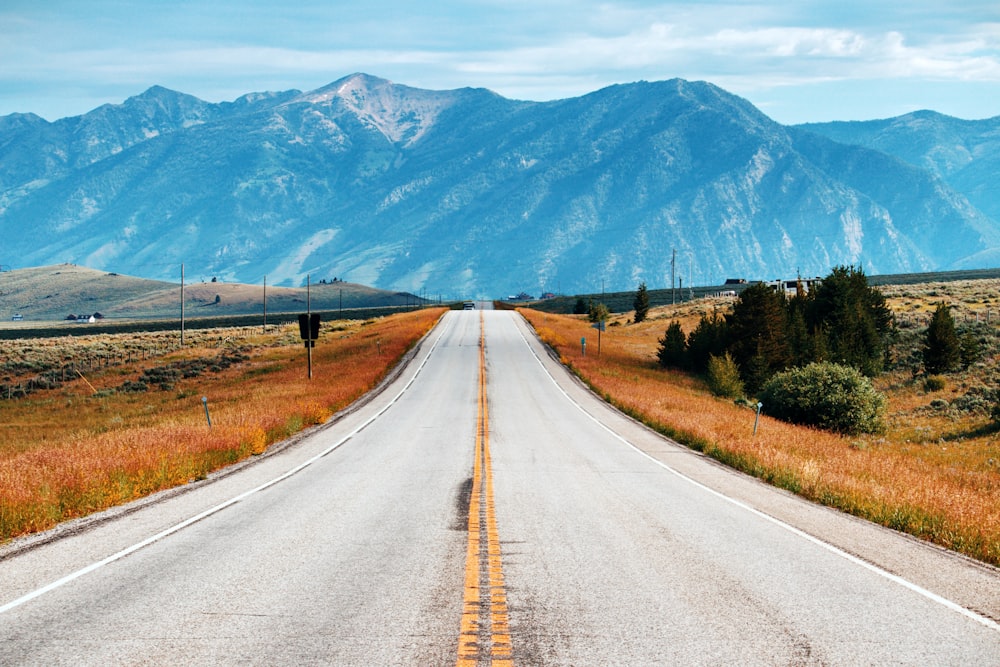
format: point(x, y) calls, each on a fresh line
point(710, 338)
point(858, 324)
point(641, 304)
point(942, 347)
point(673, 347)
point(758, 329)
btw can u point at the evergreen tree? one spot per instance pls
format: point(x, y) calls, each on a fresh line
point(641, 304)
point(802, 345)
point(710, 338)
point(972, 348)
point(758, 334)
point(942, 348)
point(673, 347)
point(580, 307)
point(855, 322)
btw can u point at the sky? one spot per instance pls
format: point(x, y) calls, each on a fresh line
point(797, 60)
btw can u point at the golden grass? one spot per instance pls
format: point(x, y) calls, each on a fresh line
point(944, 493)
point(65, 453)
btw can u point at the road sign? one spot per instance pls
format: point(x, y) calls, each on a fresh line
point(309, 328)
point(599, 326)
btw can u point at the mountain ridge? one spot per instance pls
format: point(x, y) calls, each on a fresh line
point(464, 192)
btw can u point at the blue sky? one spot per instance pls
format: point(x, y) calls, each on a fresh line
point(798, 61)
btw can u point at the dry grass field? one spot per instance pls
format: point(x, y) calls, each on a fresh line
point(135, 423)
point(132, 421)
point(934, 474)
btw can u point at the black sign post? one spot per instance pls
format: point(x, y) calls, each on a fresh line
point(309, 331)
point(600, 327)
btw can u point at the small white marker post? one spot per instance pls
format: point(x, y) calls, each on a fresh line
point(204, 401)
point(757, 418)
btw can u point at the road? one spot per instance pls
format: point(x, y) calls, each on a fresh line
point(485, 509)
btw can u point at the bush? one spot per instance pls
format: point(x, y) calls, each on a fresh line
point(829, 396)
point(977, 401)
point(933, 383)
point(724, 376)
point(599, 312)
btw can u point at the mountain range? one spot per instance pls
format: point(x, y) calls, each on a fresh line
point(465, 193)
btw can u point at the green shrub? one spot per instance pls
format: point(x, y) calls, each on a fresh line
point(829, 396)
point(724, 376)
point(933, 383)
point(977, 400)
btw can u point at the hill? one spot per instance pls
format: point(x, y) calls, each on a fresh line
point(465, 193)
point(54, 293)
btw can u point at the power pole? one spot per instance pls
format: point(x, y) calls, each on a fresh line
point(673, 282)
point(309, 314)
point(265, 304)
point(182, 305)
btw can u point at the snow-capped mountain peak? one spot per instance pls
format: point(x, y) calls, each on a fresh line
point(402, 114)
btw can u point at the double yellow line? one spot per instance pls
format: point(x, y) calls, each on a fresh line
point(485, 632)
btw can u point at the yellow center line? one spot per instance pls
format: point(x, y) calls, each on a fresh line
point(485, 623)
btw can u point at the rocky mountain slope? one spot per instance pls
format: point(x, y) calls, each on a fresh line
point(964, 153)
point(466, 193)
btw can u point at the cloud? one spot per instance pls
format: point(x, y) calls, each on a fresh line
point(66, 54)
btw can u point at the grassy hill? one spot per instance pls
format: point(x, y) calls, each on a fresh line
point(53, 293)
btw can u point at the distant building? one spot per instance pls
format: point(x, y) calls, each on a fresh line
point(791, 287)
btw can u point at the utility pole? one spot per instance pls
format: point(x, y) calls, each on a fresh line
point(309, 348)
point(690, 284)
point(673, 282)
point(265, 304)
point(182, 305)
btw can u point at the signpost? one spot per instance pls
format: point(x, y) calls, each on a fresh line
point(600, 327)
point(309, 332)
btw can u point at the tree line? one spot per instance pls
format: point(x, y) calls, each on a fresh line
point(842, 320)
point(809, 356)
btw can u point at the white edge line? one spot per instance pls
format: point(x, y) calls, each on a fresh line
point(934, 597)
point(221, 506)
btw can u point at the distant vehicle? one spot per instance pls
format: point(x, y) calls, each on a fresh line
point(469, 305)
point(17, 317)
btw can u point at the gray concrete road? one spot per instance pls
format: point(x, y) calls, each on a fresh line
point(602, 543)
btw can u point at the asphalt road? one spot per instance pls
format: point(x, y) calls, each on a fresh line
point(536, 527)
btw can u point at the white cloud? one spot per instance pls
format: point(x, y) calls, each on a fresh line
point(60, 55)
